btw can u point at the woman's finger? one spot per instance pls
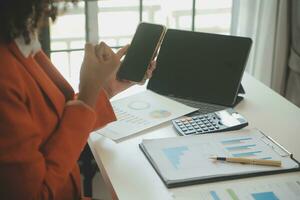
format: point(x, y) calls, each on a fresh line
point(150, 70)
point(121, 52)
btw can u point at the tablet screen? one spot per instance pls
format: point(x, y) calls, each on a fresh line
point(200, 66)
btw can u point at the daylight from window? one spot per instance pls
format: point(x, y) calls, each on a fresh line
point(118, 19)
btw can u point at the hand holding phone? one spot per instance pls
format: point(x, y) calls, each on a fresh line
point(141, 52)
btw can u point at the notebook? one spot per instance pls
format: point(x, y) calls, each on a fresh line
point(186, 160)
point(198, 67)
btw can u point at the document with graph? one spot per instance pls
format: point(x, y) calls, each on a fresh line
point(285, 187)
point(186, 160)
point(140, 112)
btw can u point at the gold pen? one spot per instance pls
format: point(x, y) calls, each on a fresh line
point(275, 163)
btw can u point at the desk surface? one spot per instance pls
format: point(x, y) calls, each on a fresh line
point(132, 177)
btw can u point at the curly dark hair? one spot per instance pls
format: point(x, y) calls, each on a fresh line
point(23, 17)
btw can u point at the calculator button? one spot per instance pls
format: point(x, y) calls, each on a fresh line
point(216, 127)
point(205, 129)
point(190, 132)
point(212, 128)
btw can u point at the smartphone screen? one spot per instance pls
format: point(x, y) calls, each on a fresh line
point(143, 47)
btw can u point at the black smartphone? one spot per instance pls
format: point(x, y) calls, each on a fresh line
point(142, 50)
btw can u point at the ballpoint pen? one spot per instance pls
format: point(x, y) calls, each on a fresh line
point(275, 163)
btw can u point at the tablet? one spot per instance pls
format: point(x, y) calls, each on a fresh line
point(199, 66)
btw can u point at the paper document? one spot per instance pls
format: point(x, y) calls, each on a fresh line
point(183, 159)
point(285, 187)
point(142, 111)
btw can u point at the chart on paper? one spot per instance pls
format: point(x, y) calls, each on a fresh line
point(141, 111)
point(244, 147)
point(184, 157)
point(189, 157)
point(284, 188)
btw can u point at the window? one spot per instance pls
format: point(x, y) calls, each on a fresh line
point(68, 36)
point(115, 21)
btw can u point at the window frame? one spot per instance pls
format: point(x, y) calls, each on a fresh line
point(92, 28)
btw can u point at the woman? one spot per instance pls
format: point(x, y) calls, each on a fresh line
point(43, 124)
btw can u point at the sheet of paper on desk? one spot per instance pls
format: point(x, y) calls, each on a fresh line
point(188, 158)
point(142, 111)
point(283, 187)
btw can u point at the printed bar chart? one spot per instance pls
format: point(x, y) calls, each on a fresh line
point(174, 154)
point(214, 195)
point(239, 148)
point(256, 196)
point(235, 141)
point(246, 154)
point(278, 189)
point(232, 194)
point(243, 147)
point(264, 196)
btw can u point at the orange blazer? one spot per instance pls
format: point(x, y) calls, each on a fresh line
point(43, 128)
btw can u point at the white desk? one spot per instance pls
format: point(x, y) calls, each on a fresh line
point(130, 176)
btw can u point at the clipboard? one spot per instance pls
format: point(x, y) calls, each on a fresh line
point(155, 151)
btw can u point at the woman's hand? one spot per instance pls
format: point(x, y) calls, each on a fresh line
point(115, 86)
point(100, 64)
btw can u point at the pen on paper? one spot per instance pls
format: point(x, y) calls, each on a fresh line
point(275, 163)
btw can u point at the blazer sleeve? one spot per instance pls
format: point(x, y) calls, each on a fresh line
point(104, 111)
point(29, 170)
